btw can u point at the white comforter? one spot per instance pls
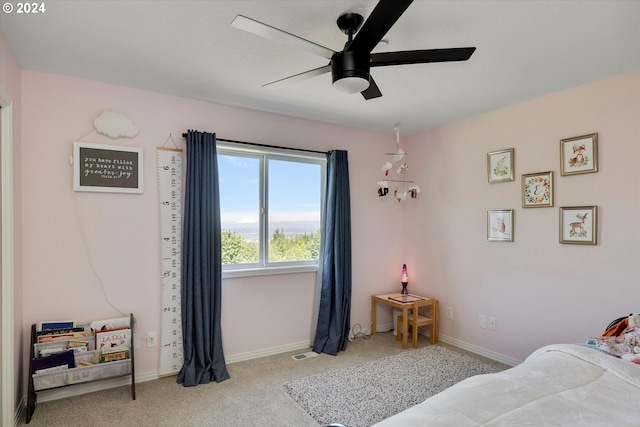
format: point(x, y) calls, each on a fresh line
point(558, 385)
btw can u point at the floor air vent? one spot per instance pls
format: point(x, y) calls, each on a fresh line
point(303, 356)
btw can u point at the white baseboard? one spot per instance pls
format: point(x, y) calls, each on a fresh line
point(20, 412)
point(461, 344)
point(479, 351)
point(302, 345)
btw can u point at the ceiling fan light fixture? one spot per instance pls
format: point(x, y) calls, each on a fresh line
point(350, 71)
point(351, 84)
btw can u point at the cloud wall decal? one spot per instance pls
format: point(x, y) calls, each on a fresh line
point(115, 125)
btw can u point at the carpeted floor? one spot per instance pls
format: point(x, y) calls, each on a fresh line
point(253, 396)
point(360, 396)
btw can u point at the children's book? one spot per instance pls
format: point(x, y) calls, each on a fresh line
point(59, 331)
point(110, 324)
point(78, 346)
point(64, 358)
point(112, 356)
point(61, 337)
point(115, 338)
point(59, 324)
point(405, 298)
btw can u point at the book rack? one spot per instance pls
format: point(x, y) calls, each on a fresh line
point(79, 375)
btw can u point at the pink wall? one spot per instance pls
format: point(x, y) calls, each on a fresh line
point(122, 230)
point(10, 87)
point(540, 291)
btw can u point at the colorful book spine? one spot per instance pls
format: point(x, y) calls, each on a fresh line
point(114, 355)
point(60, 337)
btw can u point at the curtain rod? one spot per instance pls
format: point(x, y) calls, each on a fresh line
point(184, 135)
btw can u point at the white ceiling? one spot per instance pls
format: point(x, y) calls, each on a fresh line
point(525, 49)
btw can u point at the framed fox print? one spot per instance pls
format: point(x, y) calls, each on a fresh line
point(579, 154)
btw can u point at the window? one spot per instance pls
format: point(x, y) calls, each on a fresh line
point(270, 206)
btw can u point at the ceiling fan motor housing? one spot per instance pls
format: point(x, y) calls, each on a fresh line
point(350, 64)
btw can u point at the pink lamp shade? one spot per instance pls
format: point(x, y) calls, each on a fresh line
point(405, 274)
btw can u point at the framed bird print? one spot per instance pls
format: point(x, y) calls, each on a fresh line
point(579, 154)
point(500, 225)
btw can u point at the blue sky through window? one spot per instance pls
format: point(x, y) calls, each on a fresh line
point(294, 195)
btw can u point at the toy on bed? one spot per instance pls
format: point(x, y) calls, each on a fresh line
point(621, 338)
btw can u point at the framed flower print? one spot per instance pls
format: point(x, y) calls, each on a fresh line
point(537, 190)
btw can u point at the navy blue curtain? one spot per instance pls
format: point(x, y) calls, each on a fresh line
point(334, 317)
point(201, 265)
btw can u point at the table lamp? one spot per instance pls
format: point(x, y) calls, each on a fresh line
point(404, 279)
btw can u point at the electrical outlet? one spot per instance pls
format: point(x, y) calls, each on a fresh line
point(152, 339)
point(449, 312)
point(492, 323)
point(482, 321)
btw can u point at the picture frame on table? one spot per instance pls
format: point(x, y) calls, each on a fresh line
point(578, 225)
point(579, 155)
point(537, 190)
point(500, 166)
point(500, 225)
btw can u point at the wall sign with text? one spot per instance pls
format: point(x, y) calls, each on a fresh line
point(107, 168)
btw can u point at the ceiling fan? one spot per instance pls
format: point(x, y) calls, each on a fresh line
point(350, 67)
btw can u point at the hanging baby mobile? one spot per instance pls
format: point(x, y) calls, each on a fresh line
point(397, 164)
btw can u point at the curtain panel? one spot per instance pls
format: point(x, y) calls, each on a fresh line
point(201, 265)
point(334, 316)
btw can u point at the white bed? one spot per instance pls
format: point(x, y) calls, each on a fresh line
point(558, 385)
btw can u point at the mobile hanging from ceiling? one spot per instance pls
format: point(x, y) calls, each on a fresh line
point(350, 67)
point(402, 186)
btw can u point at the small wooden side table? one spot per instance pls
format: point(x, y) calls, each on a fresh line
point(395, 300)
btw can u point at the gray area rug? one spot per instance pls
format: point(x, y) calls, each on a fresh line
point(360, 396)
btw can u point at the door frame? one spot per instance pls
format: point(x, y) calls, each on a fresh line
point(7, 342)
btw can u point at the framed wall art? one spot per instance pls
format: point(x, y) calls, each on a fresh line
point(500, 166)
point(537, 190)
point(578, 225)
point(107, 168)
point(579, 154)
point(500, 225)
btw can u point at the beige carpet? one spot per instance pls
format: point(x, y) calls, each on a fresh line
point(254, 396)
point(362, 395)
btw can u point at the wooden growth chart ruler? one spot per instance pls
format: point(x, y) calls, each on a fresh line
point(170, 189)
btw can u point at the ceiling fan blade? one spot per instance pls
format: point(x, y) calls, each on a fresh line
point(372, 91)
point(297, 77)
point(267, 31)
point(382, 18)
point(421, 56)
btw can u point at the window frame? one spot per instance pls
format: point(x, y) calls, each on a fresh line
point(264, 154)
